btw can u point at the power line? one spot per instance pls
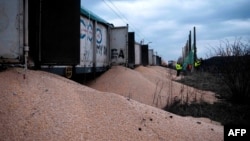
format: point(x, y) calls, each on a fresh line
point(122, 17)
point(114, 11)
point(118, 10)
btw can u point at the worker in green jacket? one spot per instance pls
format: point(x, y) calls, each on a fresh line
point(178, 68)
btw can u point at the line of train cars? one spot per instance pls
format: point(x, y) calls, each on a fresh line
point(44, 34)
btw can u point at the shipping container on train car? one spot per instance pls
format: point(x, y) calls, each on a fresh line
point(54, 32)
point(144, 55)
point(150, 56)
point(158, 61)
point(102, 48)
point(154, 59)
point(54, 35)
point(131, 49)
point(11, 31)
point(119, 45)
point(86, 46)
point(138, 54)
point(94, 43)
point(45, 32)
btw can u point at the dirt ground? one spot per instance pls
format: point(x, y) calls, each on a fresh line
point(36, 105)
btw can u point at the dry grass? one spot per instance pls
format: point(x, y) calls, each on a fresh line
point(222, 111)
point(206, 82)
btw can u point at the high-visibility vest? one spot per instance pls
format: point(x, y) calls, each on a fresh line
point(178, 67)
point(197, 63)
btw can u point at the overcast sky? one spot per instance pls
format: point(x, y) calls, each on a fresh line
point(166, 23)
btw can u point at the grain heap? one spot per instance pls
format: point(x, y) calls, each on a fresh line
point(44, 106)
point(149, 85)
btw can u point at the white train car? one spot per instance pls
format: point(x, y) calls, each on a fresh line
point(12, 25)
point(86, 46)
point(101, 44)
point(119, 45)
point(102, 48)
point(150, 56)
point(94, 43)
point(138, 56)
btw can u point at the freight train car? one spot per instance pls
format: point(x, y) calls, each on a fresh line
point(131, 49)
point(94, 46)
point(60, 38)
point(54, 35)
point(40, 33)
point(11, 38)
point(150, 56)
point(64, 38)
point(94, 43)
point(101, 44)
point(119, 45)
point(144, 55)
point(156, 60)
point(138, 58)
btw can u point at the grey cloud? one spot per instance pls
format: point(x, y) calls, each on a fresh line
point(168, 25)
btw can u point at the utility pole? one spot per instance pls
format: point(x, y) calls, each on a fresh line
point(189, 41)
point(195, 49)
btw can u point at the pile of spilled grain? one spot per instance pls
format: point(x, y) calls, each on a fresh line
point(151, 85)
point(44, 106)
